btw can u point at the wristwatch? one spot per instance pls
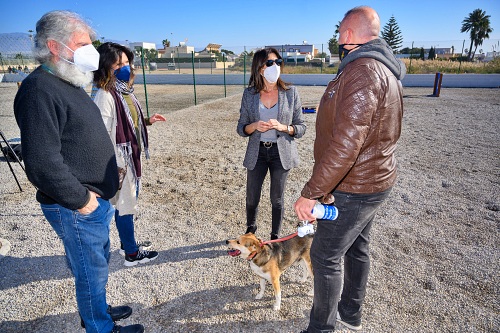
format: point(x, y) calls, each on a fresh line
point(289, 129)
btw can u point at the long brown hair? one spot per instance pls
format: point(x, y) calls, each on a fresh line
point(109, 54)
point(259, 61)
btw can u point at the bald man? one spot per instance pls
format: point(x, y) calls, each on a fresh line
point(357, 127)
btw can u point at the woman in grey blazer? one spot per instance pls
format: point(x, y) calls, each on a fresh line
point(271, 116)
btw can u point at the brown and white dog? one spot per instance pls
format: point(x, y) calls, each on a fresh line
point(270, 260)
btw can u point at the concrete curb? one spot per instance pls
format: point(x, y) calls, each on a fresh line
point(4, 248)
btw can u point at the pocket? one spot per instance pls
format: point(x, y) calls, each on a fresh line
point(53, 215)
point(92, 213)
point(101, 214)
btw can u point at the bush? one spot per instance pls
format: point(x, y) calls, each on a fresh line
point(451, 66)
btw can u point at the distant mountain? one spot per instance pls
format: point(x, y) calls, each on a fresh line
point(15, 43)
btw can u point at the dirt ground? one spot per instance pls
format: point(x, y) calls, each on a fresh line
point(435, 245)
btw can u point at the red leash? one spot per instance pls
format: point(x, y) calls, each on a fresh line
point(281, 239)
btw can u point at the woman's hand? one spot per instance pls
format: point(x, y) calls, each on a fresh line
point(156, 117)
point(261, 126)
point(278, 126)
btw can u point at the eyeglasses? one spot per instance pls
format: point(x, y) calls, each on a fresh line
point(270, 62)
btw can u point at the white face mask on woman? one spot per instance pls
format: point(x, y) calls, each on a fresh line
point(272, 73)
point(85, 58)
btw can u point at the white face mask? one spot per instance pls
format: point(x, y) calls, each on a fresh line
point(272, 73)
point(85, 58)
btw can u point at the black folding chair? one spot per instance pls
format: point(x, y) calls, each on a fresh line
point(7, 157)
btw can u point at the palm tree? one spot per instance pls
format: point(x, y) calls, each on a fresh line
point(478, 26)
point(333, 43)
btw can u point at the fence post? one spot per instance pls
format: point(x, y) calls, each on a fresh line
point(460, 58)
point(144, 80)
point(411, 56)
point(224, 61)
point(244, 69)
point(437, 84)
point(194, 79)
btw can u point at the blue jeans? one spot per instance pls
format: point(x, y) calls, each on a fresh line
point(269, 159)
point(125, 226)
point(346, 237)
point(86, 243)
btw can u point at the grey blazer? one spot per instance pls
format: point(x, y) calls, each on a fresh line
point(289, 113)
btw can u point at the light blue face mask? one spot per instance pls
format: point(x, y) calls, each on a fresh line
point(123, 73)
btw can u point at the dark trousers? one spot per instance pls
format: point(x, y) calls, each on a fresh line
point(269, 159)
point(347, 237)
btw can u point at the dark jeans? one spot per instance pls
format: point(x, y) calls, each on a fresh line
point(346, 237)
point(269, 159)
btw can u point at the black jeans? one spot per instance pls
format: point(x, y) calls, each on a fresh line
point(346, 237)
point(269, 159)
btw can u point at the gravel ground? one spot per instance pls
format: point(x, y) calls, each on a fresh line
point(435, 244)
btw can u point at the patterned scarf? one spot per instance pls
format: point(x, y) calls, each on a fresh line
point(126, 139)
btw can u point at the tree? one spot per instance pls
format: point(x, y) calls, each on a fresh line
point(96, 43)
point(422, 53)
point(478, 26)
point(432, 54)
point(166, 43)
point(226, 51)
point(392, 35)
point(333, 43)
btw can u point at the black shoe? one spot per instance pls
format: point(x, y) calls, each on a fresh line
point(142, 256)
point(252, 229)
point(116, 313)
point(136, 328)
point(142, 245)
point(304, 331)
point(274, 236)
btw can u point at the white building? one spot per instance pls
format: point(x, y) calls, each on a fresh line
point(144, 45)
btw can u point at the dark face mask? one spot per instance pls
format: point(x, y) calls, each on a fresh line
point(343, 52)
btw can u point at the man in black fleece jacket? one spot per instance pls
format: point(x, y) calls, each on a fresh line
point(69, 157)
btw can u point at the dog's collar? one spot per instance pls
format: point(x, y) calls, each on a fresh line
point(252, 255)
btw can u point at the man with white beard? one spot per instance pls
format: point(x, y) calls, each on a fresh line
point(69, 157)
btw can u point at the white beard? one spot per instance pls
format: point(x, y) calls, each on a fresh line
point(72, 74)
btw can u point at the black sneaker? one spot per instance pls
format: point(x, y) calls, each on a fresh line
point(136, 328)
point(144, 245)
point(355, 326)
point(116, 312)
point(142, 256)
point(252, 229)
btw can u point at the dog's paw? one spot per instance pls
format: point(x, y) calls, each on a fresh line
point(259, 296)
point(276, 307)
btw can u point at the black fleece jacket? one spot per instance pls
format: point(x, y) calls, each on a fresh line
point(65, 146)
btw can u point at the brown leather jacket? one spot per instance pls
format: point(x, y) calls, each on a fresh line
point(357, 127)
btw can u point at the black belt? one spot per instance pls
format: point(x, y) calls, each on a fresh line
point(267, 144)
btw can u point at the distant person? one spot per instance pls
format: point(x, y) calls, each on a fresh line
point(70, 159)
point(271, 116)
point(19, 69)
point(9, 69)
point(126, 125)
point(26, 70)
point(357, 128)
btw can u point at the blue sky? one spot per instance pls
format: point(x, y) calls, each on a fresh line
point(238, 24)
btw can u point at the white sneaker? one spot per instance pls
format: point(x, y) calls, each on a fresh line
point(349, 326)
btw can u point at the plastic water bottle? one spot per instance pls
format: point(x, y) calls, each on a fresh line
point(325, 212)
